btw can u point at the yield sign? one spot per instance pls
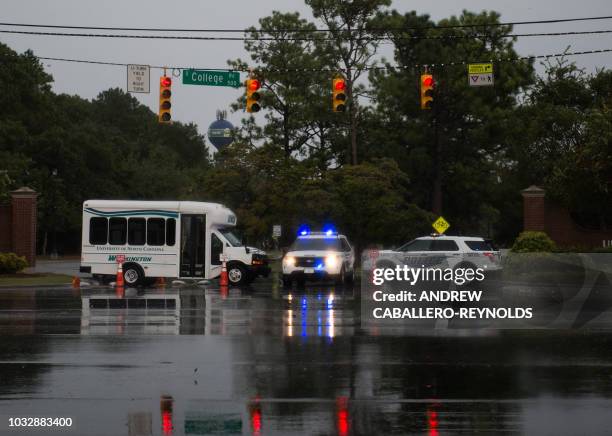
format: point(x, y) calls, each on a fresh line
point(483, 79)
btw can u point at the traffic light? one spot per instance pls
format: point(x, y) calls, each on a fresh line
point(427, 88)
point(165, 94)
point(339, 94)
point(252, 95)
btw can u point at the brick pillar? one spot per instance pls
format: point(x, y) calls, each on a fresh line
point(23, 211)
point(534, 209)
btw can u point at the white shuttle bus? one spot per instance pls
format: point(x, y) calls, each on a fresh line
point(182, 239)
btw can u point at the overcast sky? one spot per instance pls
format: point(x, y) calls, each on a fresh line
point(198, 104)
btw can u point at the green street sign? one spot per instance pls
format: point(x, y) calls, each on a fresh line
point(211, 78)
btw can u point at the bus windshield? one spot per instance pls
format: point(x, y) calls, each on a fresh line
point(231, 236)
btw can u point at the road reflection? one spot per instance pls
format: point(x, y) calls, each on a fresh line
point(257, 361)
point(325, 312)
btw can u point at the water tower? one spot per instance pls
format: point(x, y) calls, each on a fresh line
point(221, 131)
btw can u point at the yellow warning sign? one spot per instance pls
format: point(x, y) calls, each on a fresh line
point(480, 68)
point(440, 225)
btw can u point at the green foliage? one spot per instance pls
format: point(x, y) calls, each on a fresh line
point(478, 148)
point(461, 142)
point(69, 149)
point(296, 106)
point(10, 263)
point(564, 145)
point(368, 202)
point(532, 242)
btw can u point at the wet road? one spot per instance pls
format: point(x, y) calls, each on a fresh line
point(262, 361)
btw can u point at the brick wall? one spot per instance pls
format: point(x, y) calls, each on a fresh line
point(18, 224)
point(542, 215)
point(6, 236)
point(23, 211)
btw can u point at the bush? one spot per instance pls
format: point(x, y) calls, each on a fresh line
point(10, 263)
point(533, 242)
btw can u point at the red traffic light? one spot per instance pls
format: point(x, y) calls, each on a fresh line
point(340, 85)
point(428, 81)
point(254, 84)
point(165, 81)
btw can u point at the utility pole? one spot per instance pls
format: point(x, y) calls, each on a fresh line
point(353, 122)
point(437, 183)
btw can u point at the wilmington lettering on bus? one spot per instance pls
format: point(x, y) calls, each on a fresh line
point(113, 258)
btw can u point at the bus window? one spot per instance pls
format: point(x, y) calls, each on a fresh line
point(98, 231)
point(117, 231)
point(170, 232)
point(137, 231)
point(156, 229)
point(216, 248)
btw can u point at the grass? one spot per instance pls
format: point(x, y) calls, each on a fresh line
point(24, 279)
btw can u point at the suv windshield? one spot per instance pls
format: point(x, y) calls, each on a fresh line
point(231, 236)
point(302, 244)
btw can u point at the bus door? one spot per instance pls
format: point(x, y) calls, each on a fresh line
point(193, 244)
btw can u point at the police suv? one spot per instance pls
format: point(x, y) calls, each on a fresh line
point(319, 255)
point(429, 251)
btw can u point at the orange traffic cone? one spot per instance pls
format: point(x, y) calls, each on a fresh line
point(161, 281)
point(223, 280)
point(119, 281)
point(76, 282)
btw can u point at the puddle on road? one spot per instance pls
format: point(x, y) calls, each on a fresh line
point(323, 312)
point(260, 362)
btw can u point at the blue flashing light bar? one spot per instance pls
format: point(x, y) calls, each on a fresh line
point(329, 230)
point(303, 230)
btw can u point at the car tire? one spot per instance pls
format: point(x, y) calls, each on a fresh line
point(133, 274)
point(236, 274)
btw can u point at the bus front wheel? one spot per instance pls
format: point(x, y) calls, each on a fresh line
point(237, 274)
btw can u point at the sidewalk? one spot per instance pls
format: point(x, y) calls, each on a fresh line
point(69, 267)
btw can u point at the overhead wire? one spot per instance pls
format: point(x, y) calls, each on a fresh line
point(185, 30)
point(370, 67)
point(297, 39)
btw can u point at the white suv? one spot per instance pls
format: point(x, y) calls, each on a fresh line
point(429, 251)
point(319, 255)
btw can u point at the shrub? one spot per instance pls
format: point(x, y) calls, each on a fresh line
point(10, 263)
point(533, 242)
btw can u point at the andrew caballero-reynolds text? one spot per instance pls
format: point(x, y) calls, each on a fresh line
point(413, 304)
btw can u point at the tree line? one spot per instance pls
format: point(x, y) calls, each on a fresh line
point(381, 172)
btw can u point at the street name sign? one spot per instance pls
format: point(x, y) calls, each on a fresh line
point(440, 225)
point(211, 78)
point(138, 78)
point(480, 74)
